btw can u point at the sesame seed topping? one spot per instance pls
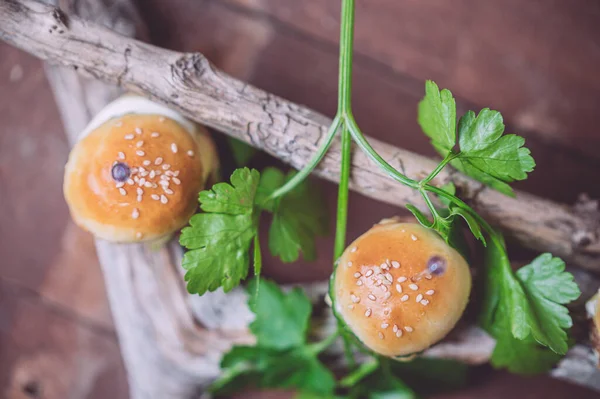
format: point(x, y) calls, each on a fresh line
point(158, 161)
point(155, 197)
point(120, 184)
point(129, 137)
point(166, 166)
point(428, 277)
point(404, 298)
point(163, 199)
point(122, 191)
point(136, 179)
point(130, 182)
point(395, 328)
point(384, 288)
point(155, 134)
point(121, 155)
point(380, 335)
point(161, 119)
point(190, 153)
point(353, 249)
point(395, 264)
point(168, 191)
point(144, 173)
point(408, 328)
point(174, 148)
point(386, 282)
point(399, 288)
point(386, 311)
point(413, 287)
point(419, 297)
point(139, 191)
point(401, 279)
point(135, 213)
point(413, 237)
point(138, 130)
point(368, 312)
point(146, 163)
point(148, 184)
point(169, 173)
point(164, 183)
point(139, 143)
point(138, 235)
point(141, 181)
point(372, 297)
point(389, 277)
point(357, 275)
point(152, 174)
point(140, 153)
point(178, 182)
point(387, 295)
point(369, 273)
point(429, 292)
point(176, 173)
point(399, 333)
point(424, 302)
point(134, 170)
point(384, 266)
point(384, 325)
point(139, 198)
point(354, 298)
point(359, 282)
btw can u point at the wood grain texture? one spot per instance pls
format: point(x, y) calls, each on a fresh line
point(191, 84)
point(533, 61)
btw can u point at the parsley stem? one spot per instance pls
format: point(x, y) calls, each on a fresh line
point(342, 208)
point(320, 346)
point(302, 174)
point(449, 157)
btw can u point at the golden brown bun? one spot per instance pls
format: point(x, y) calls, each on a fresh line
point(386, 316)
point(168, 164)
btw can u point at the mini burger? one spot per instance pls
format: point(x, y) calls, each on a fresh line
point(136, 171)
point(400, 288)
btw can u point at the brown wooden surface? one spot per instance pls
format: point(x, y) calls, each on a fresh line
point(536, 62)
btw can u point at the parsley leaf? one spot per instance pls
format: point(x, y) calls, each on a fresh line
point(282, 357)
point(487, 155)
point(437, 117)
point(219, 241)
point(298, 217)
point(281, 319)
point(528, 308)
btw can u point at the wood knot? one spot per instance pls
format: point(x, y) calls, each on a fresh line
point(582, 239)
point(60, 17)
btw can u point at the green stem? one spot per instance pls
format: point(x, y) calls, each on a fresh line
point(449, 157)
point(342, 209)
point(302, 174)
point(346, 54)
point(320, 346)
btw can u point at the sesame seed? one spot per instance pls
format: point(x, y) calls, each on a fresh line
point(395, 328)
point(386, 282)
point(152, 174)
point(122, 191)
point(424, 302)
point(419, 297)
point(135, 213)
point(148, 184)
point(176, 173)
point(404, 298)
point(138, 130)
point(384, 288)
point(369, 273)
point(154, 185)
point(384, 266)
point(413, 287)
point(354, 298)
point(368, 312)
point(155, 134)
point(178, 182)
point(377, 270)
point(174, 148)
point(130, 182)
point(136, 179)
point(119, 124)
point(428, 277)
point(161, 119)
point(141, 181)
point(380, 335)
point(169, 173)
point(158, 161)
point(121, 155)
point(144, 173)
point(146, 163)
point(140, 153)
point(163, 199)
point(349, 263)
point(389, 277)
point(139, 191)
point(139, 143)
point(413, 237)
point(384, 325)
point(166, 166)
point(372, 297)
point(377, 283)
point(129, 137)
point(168, 191)
point(387, 295)
point(139, 198)
point(399, 288)
point(353, 249)
point(190, 153)
point(408, 328)
point(386, 311)
point(395, 264)
point(134, 170)
point(357, 275)
point(399, 333)
point(138, 235)
point(164, 177)
point(430, 292)
point(401, 279)
point(359, 282)
point(120, 184)
point(155, 197)
point(350, 306)
point(164, 183)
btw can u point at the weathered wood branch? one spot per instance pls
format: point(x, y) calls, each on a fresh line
point(292, 133)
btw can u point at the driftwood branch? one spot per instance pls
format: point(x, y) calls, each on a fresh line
point(171, 341)
point(190, 84)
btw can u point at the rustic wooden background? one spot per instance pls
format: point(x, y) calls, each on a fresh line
point(535, 61)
